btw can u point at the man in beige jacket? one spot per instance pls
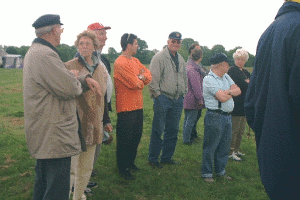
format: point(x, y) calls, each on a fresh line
point(51, 125)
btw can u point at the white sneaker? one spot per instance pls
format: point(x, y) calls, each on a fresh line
point(234, 157)
point(239, 153)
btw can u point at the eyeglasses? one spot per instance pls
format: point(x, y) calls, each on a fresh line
point(174, 41)
point(85, 43)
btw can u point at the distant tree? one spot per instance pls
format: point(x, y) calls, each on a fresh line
point(218, 49)
point(12, 50)
point(206, 56)
point(66, 52)
point(143, 54)
point(23, 50)
point(185, 45)
point(112, 54)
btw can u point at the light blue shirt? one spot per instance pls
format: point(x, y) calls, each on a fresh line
point(213, 83)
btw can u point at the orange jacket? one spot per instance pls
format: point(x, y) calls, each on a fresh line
point(128, 86)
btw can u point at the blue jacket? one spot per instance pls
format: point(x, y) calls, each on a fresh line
point(272, 104)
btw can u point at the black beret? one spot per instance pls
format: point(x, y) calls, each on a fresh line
point(46, 20)
point(175, 35)
point(218, 58)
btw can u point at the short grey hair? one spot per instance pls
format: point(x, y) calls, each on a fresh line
point(44, 30)
point(241, 53)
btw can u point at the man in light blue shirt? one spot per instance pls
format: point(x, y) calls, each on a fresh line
point(218, 89)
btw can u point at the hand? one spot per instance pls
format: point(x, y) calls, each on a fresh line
point(94, 86)
point(142, 77)
point(227, 92)
point(247, 80)
point(108, 127)
point(142, 71)
point(75, 72)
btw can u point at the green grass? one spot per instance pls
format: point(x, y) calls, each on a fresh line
point(172, 182)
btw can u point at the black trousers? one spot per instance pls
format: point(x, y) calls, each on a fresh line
point(194, 131)
point(129, 132)
point(52, 179)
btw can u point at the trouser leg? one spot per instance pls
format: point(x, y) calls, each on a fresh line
point(137, 131)
point(54, 177)
point(83, 171)
point(160, 108)
point(171, 129)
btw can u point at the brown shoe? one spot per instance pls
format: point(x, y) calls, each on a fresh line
point(109, 140)
point(226, 177)
point(208, 180)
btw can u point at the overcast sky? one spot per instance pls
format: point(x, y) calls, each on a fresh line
point(230, 23)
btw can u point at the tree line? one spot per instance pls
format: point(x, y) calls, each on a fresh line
point(143, 54)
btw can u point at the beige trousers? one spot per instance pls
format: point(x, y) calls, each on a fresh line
point(238, 129)
point(81, 169)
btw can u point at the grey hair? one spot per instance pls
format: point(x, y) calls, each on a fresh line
point(241, 53)
point(43, 30)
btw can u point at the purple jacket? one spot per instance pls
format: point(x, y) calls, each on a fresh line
point(195, 87)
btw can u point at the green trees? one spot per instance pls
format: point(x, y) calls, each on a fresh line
point(143, 54)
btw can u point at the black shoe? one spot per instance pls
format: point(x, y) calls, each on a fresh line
point(127, 175)
point(134, 168)
point(92, 184)
point(188, 143)
point(155, 165)
point(94, 173)
point(88, 192)
point(171, 162)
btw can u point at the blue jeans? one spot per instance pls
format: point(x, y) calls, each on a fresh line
point(190, 119)
point(216, 144)
point(167, 114)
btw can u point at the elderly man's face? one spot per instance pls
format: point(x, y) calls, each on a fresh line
point(174, 45)
point(57, 33)
point(101, 35)
point(225, 67)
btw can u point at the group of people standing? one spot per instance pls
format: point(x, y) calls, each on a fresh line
point(67, 106)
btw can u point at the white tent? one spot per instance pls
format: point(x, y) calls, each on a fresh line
point(12, 61)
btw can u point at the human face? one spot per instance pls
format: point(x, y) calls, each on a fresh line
point(174, 45)
point(86, 47)
point(57, 31)
point(240, 62)
point(134, 47)
point(101, 36)
point(225, 67)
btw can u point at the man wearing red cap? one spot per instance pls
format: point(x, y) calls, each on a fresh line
point(100, 32)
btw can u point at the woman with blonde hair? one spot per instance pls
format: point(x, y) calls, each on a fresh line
point(241, 77)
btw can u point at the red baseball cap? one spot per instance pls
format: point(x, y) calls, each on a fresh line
point(97, 26)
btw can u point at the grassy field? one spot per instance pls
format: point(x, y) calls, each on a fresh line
point(172, 182)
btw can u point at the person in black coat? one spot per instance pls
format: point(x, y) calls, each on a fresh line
point(241, 77)
point(272, 104)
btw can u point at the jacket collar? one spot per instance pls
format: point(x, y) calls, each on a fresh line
point(46, 43)
point(166, 53)
point(287, 8)
point(193, 64)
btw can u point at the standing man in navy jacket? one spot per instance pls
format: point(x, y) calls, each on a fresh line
point(272, 104)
